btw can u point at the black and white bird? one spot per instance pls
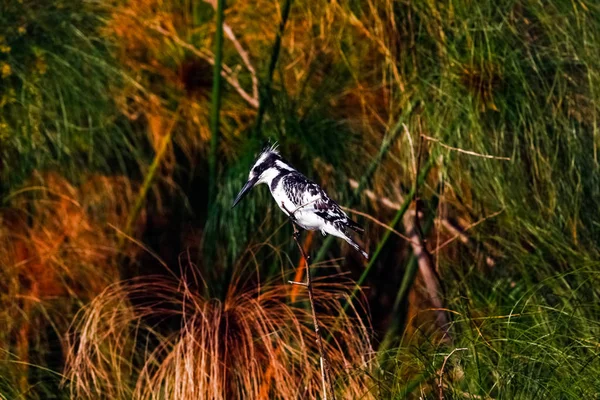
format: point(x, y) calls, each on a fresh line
point(310, 207)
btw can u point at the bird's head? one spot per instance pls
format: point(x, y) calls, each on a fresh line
point(268, 164)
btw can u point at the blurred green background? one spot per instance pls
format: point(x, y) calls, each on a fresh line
point(462, 135)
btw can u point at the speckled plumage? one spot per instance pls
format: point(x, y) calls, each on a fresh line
point(309, 204)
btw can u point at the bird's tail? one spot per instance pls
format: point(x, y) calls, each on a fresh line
point(354, 226)
point(356, 246)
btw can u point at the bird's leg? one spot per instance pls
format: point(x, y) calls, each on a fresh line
point(296, 233)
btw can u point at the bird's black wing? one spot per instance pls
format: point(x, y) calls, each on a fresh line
point(300, 190)
point(307, 195)
point(331, 211)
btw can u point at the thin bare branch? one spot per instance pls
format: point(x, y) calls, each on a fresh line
point(463, 237)
point(441, 373)
point(471, 153)
point(325, 376)
point(378, 222)
point(245, 57)
point(242, 52)
point(394, 205)
point(427, 272)
point(227, 72)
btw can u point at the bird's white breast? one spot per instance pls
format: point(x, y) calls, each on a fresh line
point(309, 220)
point(303, 214)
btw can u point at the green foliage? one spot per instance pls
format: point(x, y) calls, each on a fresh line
point(515, 79)
point(56, 107)
point(518, 340)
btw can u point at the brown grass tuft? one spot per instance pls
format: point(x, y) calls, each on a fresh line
point(254, 344)
point(57, 251)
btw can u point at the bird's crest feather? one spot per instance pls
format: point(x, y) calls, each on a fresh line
point(271, 148)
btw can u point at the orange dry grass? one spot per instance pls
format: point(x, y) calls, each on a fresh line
point(170, 57)
point(252, 345)
point(55, 244)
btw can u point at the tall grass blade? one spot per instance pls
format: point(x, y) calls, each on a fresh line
point(265, 92)
point(215, 105)
point(148, 180)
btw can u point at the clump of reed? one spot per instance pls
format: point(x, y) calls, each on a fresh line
point(254, 343)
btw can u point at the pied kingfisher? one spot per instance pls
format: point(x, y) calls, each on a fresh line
point(295, 194)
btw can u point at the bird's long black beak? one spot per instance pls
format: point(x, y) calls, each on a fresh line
point(247, 187)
